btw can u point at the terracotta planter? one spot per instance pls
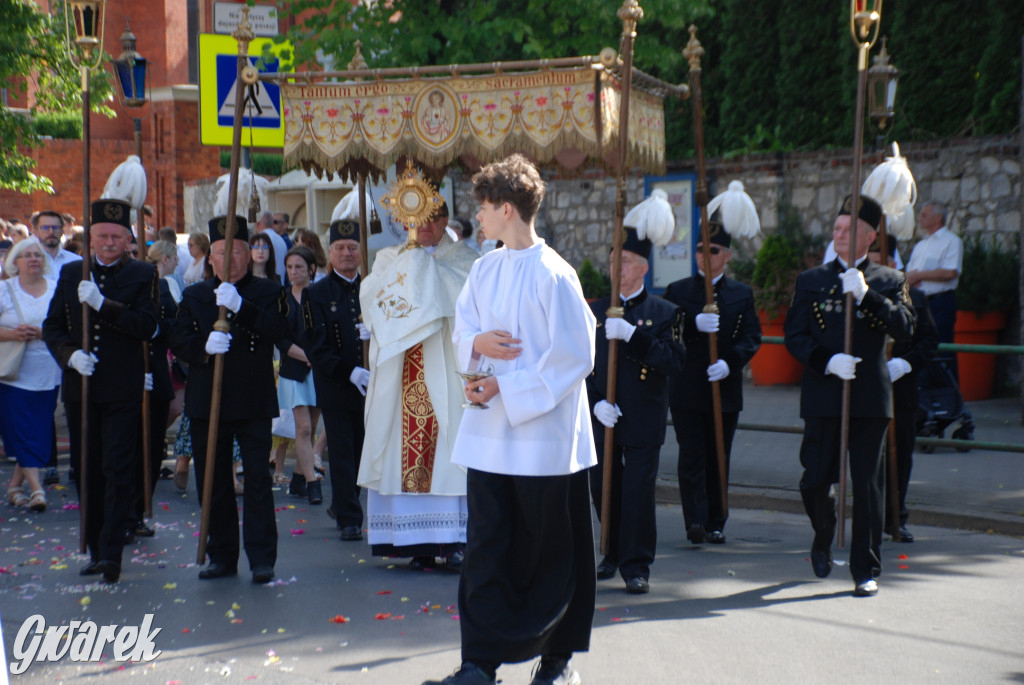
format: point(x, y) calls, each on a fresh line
point(977, 371)
point(773, 364)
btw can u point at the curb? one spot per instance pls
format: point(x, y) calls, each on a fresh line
point(788, 501)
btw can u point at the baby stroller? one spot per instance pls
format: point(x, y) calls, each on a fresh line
point(941, 404)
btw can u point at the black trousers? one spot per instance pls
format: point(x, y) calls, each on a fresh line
point(158, 411)
point(906, 433)
point(259, 527)
point(344, 448)
point(109, 472)
point(527, 586)
point(633, 528)
point(700, 489)
point(819, 456)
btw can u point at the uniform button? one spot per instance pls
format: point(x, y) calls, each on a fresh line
point(96, 326)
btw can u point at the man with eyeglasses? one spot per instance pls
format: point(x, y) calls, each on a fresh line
point(281, 225)
point(739, 337)
point(48, 227)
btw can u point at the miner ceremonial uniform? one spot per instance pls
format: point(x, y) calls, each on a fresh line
point(814, 331)
point(739, 337)
point(646, 361)
point(126, 318)
point(247, 407)
point(335, 350)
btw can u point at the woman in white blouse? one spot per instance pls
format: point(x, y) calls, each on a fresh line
point(29, 400)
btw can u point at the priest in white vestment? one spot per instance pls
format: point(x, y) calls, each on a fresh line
point(416, 497)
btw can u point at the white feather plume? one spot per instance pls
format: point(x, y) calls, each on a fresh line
point(127, 183)
point(891, 184)
point(901, 226)
point(738, 213)
point(348, 207)
point(245, 176)
point(653, 219)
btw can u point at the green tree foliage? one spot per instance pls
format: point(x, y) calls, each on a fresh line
point(776, 75)
point(32, 42)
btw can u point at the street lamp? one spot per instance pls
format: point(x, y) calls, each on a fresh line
point(87, 17)
point(132, 70)
point(882, 78)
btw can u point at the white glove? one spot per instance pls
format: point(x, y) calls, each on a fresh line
point(364, 331)
point(898, 368)
point(853, 282)
point(218, 343)
point(618, 328)
point(83, 363)
point(718, 371)
point(843, 365)
point(147, 384)
point(89, 293)
point(227, 296)
point(607, 414)
point(360, 378)
point(707, 323)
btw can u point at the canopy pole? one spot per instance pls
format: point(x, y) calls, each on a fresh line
point(630, 13)
point(693, 52)
point(243, 34)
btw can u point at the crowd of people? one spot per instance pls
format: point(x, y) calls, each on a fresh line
point(494, 477)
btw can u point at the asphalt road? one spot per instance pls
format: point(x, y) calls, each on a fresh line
point(749, 611)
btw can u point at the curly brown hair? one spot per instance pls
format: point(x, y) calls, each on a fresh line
point(514, 180)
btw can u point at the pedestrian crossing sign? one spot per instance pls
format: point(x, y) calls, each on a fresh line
point(262, 119)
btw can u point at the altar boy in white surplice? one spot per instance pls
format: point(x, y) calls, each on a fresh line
point(527, 586)
point(416, 497)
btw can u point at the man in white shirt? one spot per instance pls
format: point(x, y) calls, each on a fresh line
point(527, 586)
point(935, 266)
point(48, 227)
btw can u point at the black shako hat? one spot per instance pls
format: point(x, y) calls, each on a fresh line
point(111, 212)
point(344, 229)
point(890, 243)
point(869, 210)
point(219, 228)
point(717, 234)
point(633, 243)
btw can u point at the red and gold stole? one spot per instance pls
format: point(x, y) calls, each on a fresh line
point(419, 425)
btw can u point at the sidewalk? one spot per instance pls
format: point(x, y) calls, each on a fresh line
point(977, 490)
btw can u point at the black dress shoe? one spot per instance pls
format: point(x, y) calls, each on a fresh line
point(262, 574)
point(51, 477)
point(695, 534)
point(111, 570)
point(314, 492)
point(606, 569)
point(350, 533)
point(905, 535)
point(866, 588)
point(144, 531)
point(421, 563)
point(217, 570)
point(91, 569)
point(454, 561)
point(638, 585)
point(715, 537)
point(468, 674)
point(821, 561)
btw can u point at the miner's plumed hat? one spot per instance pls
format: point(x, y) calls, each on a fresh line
point(219, 228)
point(111, 212)
point(869, 210)
point(632, 242)
point(717, 235)
point(344, 229)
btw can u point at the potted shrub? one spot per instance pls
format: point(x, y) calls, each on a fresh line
point(778, 262)
point(594, 283)
point(986, 291)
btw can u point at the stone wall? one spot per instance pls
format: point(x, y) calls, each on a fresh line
point(979, 179)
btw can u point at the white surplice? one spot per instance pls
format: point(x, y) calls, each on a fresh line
point(409, 298)
point(539, 422)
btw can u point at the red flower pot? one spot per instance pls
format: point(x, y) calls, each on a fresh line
point(977, 371)
point(773, 364)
